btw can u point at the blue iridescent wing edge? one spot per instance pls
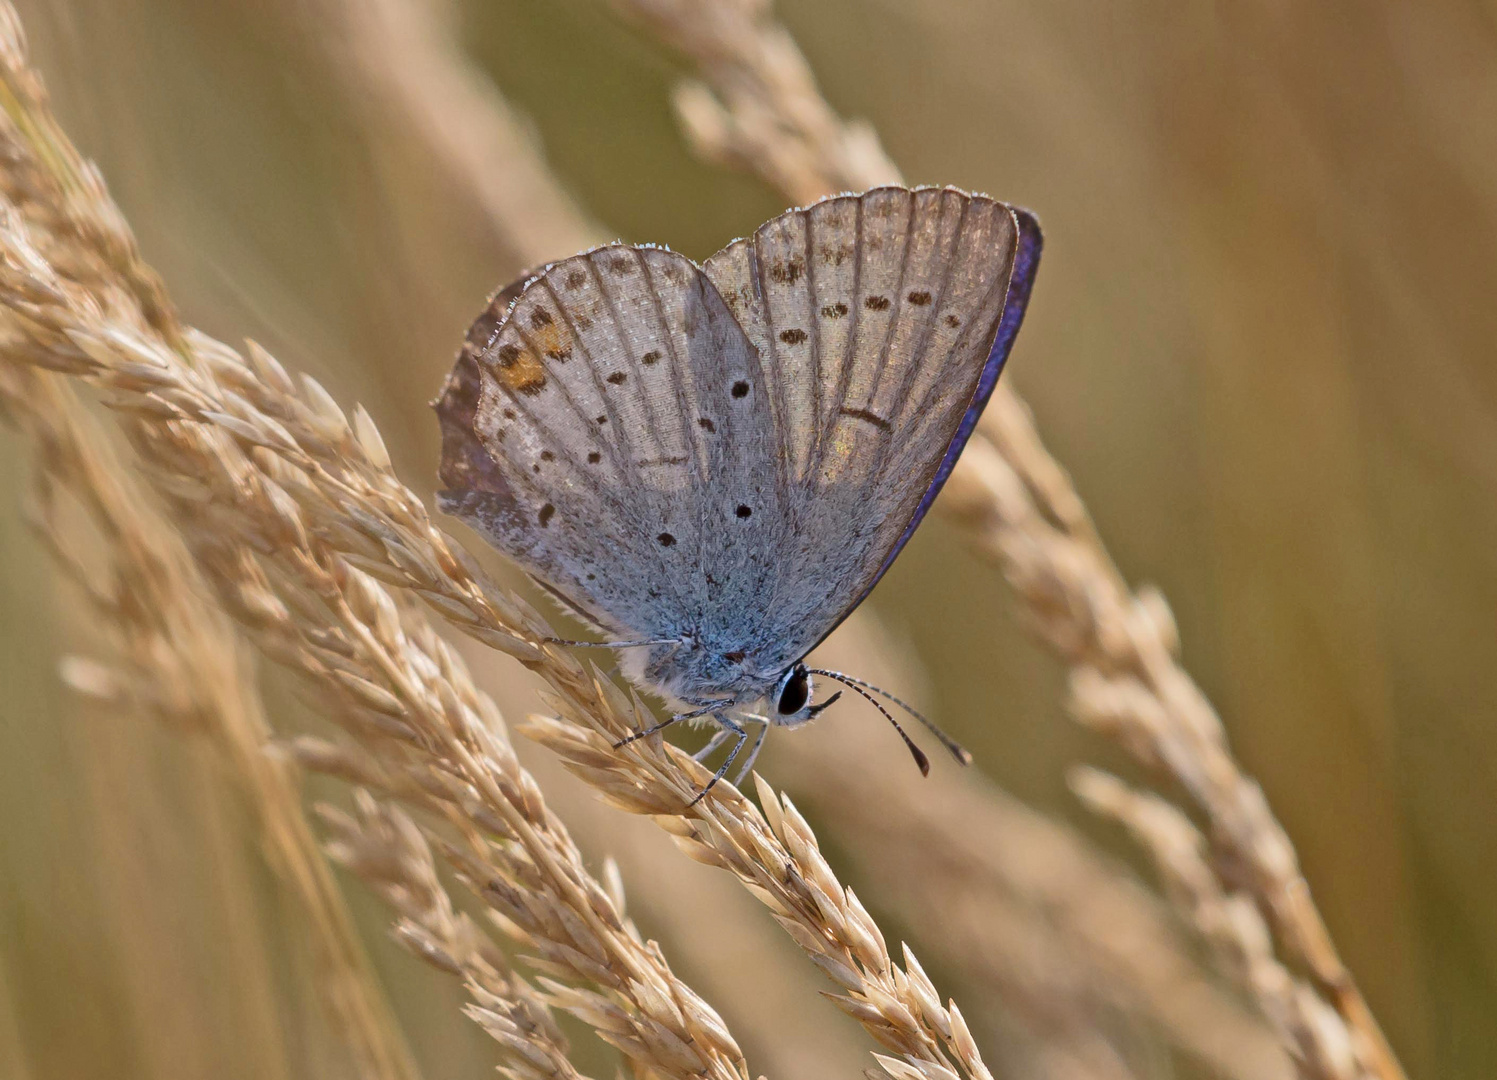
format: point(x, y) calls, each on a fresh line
point(1020, 283)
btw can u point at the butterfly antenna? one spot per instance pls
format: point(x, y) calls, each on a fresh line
point(919, 755)
point(956, 749)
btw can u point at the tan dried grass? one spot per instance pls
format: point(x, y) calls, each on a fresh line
point(179, 660)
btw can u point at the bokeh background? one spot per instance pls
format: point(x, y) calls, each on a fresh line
point(1261, 342)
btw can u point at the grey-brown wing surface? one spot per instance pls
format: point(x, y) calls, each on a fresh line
point(874, 316)
point(610, 431)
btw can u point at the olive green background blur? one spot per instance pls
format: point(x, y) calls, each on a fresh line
point(1261, 340)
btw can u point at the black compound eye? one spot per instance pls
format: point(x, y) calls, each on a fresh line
point(795, 692)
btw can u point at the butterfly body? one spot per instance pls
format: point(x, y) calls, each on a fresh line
point(722, 460)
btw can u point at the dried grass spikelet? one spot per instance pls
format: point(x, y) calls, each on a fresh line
point(176, 658)
point(758, 106)
point(294, 515)
point(385, 848)
point(1228, 920)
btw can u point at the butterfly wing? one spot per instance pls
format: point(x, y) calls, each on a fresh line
point(605, 427)
point(883, 320)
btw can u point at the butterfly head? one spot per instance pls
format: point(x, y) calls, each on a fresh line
point(792, 697)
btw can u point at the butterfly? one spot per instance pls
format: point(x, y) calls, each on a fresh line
point(715, 464)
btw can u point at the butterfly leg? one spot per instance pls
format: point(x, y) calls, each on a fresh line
point(671, 720)
point(753, 756)
point(712, 744)
point(728, 725)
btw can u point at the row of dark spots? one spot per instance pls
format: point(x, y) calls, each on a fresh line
point(834, 311)
point(881, 303)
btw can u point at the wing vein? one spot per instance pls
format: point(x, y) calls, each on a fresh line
point(963, 341)
point(667, 578)
point(845, 375)
point(887, 451)
point(813, 452)
point(520, 477)
point(692, 437)
point(769, 366)
point(899, 309)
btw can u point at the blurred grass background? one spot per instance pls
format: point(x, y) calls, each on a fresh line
point(1260, 341)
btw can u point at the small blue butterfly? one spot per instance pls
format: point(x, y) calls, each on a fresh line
point(715, 464)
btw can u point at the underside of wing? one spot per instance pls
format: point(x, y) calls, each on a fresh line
point(882, 321)
point(606, 426)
